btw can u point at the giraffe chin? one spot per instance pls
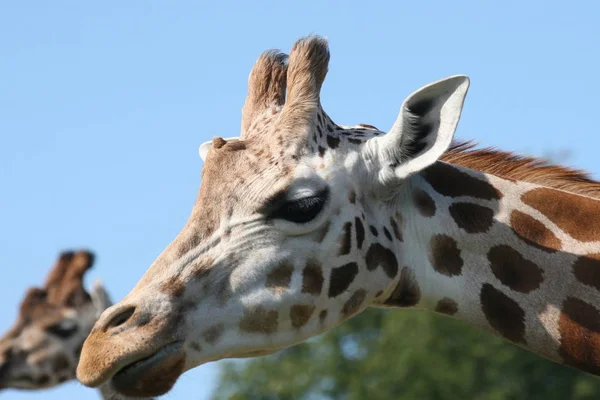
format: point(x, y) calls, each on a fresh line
point(151, 376)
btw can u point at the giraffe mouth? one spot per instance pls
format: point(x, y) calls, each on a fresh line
point(153, 375)
point(22, 382)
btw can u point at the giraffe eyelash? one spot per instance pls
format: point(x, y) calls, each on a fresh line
point(302, 210)
point(62, 329)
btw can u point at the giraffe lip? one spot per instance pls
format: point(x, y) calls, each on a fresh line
point(150, 360)
point(20, 382)
point(152, 375)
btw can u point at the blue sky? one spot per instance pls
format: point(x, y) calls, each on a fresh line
point(103, 106)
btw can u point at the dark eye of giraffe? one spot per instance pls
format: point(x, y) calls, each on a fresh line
point(301, 210)
point(62, 329)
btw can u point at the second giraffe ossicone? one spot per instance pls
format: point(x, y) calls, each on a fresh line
point(302, 223)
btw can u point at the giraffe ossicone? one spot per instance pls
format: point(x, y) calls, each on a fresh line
point(301, 223)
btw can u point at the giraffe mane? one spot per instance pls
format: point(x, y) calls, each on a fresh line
point(508, 165)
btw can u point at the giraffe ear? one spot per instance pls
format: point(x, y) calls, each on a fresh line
point(204, 147)
point(64, 283)
point(100, 297)
point(423, 131)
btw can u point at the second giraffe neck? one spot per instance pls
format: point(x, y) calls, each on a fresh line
point(507, 257)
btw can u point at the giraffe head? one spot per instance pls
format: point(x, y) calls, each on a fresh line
point(42, 349)
point(290, 235)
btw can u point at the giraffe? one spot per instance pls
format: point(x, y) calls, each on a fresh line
point(42, 349)
point(302, 223)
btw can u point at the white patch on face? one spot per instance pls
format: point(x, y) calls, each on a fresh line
point(31, 338)
point(69, 313)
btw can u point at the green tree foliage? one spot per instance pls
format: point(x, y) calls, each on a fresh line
point(403, 354)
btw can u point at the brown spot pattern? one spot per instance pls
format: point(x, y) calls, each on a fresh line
point(587, 270)
point(424, 202)
point(377, 255)
point(407, 292)
point(353, 304)
point(446, 306)
point(212, 334)
point(223, 290)
point(186, 245)
point(387, 233)
point(450, 181)
point(259, 320)
point(352, 196)
point(575, 215)
point(173, 287)
point(279, 279)
point(341, 278)
point(360, 232)
point(503, 313)
point(533, 232)
point(444, 255)
point(473, 218)
point(396, 230)
point(346, 242)
point(202, 268)
point(322, 316)
point(312, 278)
point(579, 327)
point(513, 270)
point(300, 314)
point(332, 142)
point(196, 346)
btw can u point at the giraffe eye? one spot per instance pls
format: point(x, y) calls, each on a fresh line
point(63, 329)
point(301, 210)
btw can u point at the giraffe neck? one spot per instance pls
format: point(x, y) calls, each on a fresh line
point(513, 258)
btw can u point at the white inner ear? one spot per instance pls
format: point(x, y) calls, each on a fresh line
point(100, 297)
point(446, 98)
point(204, 147)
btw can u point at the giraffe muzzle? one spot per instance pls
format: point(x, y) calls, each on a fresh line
point(154, 375)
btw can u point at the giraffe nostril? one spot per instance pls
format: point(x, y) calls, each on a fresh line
point(120, 317)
